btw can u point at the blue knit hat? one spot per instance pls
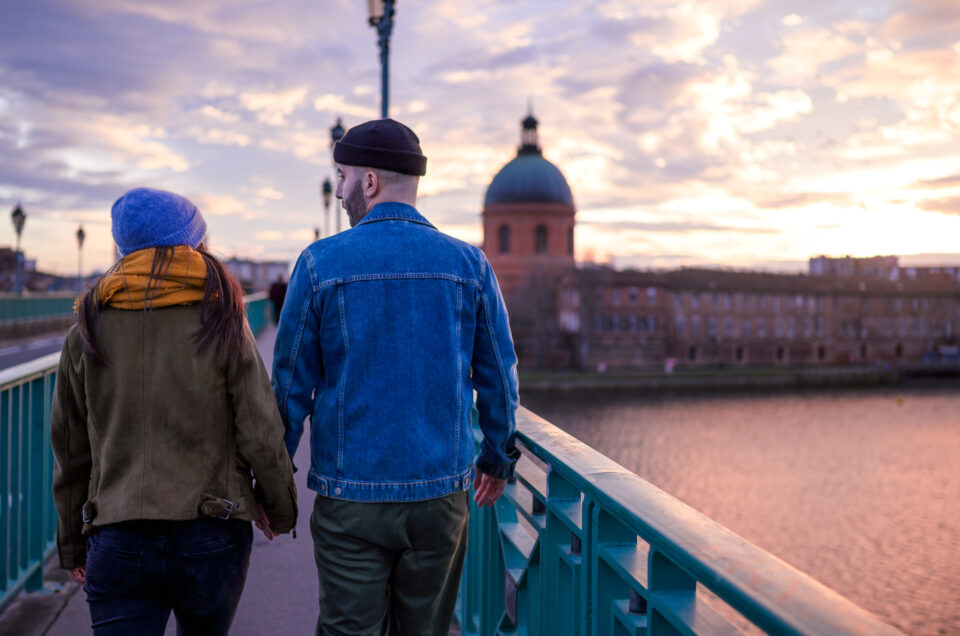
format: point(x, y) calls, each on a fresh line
point(144, 218)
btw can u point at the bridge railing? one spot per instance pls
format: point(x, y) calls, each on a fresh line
point(580, 545)
point(27, 307)
point(28, 518)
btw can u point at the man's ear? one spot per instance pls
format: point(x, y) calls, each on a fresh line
point(370, 184)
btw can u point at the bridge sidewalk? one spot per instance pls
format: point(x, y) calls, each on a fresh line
point(280, 595)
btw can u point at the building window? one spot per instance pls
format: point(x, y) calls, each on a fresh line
point(692, 352)
point(680, 326)
point(727, 302)
point(819, 326)
point(776, 304)
point(570, 240)
point(761, 328)
point(651, 296)
point(540, 239)
point(695, 327)
point(791, 327)
point(504, 234)
point(598, 323)
point(615, 323)
point(712, 327)
point(616, 297)
point(780, 353)
point(863, 352)
point(739, 354)
point(745, 328)
point(651, 324)
point(762, 301)
point(634, 323)
point(695, 301)
point(821, 353)
point(779, 329)
point(634, 296)
point(729, 326)
point(898, 351)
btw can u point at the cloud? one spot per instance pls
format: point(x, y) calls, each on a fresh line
point(273, 107)
point(680, 227)
point(940, 182)
point(806, 51)
point(946, 206)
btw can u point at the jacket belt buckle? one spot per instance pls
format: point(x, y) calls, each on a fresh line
point(228, 507)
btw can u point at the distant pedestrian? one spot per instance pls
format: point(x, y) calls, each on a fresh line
point(162, 417)
point(389, 329)
point(278, 291)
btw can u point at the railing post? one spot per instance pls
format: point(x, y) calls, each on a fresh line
point(560, 563)
point(607, 586)
point(665, 576)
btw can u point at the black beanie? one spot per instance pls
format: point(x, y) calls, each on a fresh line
point(382, 143)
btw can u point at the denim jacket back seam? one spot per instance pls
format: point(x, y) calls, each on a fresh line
point(330, 282)
point(456, 436)
point(341, 434)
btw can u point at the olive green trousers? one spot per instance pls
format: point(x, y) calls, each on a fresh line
point(389, 568)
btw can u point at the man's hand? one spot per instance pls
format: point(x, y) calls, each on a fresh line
point(488, 489)
point(263, 523)
point(79, 574)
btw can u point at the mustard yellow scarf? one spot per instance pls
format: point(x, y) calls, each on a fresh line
point(183, 280)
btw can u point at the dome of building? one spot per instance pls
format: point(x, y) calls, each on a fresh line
point(529, 178)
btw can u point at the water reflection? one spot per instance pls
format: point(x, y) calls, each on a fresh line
point(859, 489)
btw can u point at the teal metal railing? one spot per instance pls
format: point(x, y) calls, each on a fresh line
point(580, 545)
point(27, 515)
point(17, 308)
point(28, 518)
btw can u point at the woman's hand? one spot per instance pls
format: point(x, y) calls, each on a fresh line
point(263, 523)
point(79, 574)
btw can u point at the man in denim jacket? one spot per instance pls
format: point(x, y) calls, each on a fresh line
point(386, 331)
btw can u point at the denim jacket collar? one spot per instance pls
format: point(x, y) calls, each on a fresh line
point(392, 210)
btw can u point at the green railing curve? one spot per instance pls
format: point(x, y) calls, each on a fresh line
point(580, 545)
point(28, 517)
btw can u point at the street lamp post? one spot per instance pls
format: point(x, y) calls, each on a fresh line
point(19, 217)
point(327, 192)
point(381, 18)
point(80, 236)
point(336, 134)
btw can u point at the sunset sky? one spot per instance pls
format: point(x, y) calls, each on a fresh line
point(732, 133)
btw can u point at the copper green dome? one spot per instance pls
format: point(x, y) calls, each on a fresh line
point(529, 178)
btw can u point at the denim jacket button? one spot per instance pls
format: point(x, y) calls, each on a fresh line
point(338, 490)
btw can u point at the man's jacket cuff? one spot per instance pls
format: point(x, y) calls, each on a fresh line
point(499, 471)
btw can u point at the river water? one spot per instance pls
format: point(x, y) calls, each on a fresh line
point(858, 488)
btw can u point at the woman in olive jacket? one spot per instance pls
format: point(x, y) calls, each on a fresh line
point(163, 417)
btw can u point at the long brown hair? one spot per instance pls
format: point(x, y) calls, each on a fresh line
point(221, 309)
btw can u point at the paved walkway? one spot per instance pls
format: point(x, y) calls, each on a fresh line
point(280, 596)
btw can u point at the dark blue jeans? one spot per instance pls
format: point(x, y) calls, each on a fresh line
point(140, 571)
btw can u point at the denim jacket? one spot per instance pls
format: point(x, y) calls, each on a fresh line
point(386, 331)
